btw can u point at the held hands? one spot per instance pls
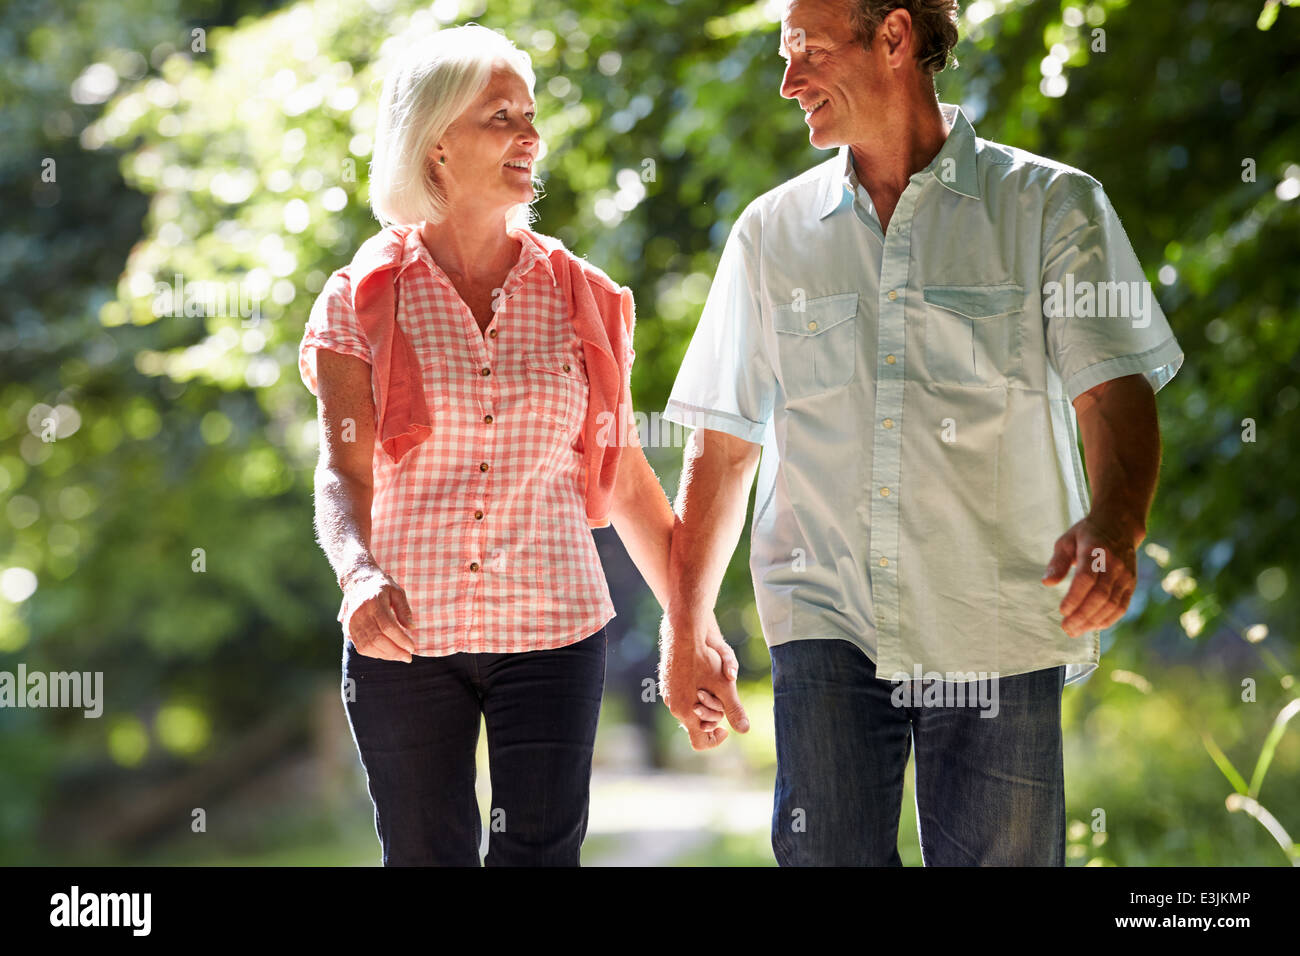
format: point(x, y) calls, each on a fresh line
point(379, 617)
point(1104, 582)
point(697, 682)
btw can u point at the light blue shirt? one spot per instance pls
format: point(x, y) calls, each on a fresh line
point(912, 394)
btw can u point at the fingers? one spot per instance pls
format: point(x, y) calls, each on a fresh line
point(706, 739)
point(736, 715)
point(379, 623)
point(701, 716)
point(715, 737)
point(715, 640)
point(712, 703)
point(1121, 608)
point(707, 719)
point(1100, 593)
point(707, 725)
point(401, 607)
point(1062, 558)
point(376, 630)
point(1097, 599)
point(1103, 605)
point(1083, 589)
point(691, 676)
point(1085, 579)
point(709, 710)
point(700, 720)
point(387, 620)
point(377, 645)
point(729, 700)
point(697, 721)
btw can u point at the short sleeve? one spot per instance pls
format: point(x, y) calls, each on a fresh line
point(332, 325)
point(1100, 315)
point(726, 382)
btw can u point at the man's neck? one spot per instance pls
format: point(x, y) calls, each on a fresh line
point(912, 135)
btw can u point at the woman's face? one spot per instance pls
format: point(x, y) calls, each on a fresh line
point(490, 148)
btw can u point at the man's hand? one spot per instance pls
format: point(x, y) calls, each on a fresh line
point(1105, 579)
point(697, 682)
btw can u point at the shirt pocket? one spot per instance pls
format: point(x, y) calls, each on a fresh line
point(972, 332)
point(817, 344)
point(556, 387)
point(436, 376)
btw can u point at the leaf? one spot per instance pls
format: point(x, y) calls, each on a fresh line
point(1224, 764)
point(1270, 745)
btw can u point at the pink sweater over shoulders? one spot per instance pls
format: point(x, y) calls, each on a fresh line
point(602, 314)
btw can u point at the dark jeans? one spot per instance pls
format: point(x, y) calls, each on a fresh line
point(990, 790)
point(416, 729)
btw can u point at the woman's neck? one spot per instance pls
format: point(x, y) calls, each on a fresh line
point(470, 248)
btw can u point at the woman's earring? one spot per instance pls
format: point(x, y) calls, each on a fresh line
point(442, 160)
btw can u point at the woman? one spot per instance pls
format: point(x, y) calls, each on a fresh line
point(468, 372)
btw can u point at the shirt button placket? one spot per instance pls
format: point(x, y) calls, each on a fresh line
point(486, 348)
point(887, 446)
point(487, 395)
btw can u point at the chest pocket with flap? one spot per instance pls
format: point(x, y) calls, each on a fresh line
point(972, 333)
point(557, 387)
point(817, 343)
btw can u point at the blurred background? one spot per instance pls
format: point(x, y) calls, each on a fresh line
point(156, 466)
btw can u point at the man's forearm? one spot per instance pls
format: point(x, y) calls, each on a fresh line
point(710, 513)
point(1121, 444)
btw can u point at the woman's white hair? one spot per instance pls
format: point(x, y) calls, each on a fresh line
point(429, 87)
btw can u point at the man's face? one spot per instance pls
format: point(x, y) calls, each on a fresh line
point(835, 80)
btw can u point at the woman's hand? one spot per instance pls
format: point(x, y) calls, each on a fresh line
point(378, 617)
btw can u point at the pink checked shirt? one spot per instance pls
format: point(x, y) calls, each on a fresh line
point(483, 525)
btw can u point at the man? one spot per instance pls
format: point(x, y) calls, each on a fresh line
point(907, 332)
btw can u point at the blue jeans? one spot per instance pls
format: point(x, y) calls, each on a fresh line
point(416, 729)
point(990, 790)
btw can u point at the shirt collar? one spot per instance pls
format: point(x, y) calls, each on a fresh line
point(534, 253)
point(953, 165)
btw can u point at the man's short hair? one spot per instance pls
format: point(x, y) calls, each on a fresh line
point(933, 21)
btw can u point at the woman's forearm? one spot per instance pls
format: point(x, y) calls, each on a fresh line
point(343, 521)
point(643, 518)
